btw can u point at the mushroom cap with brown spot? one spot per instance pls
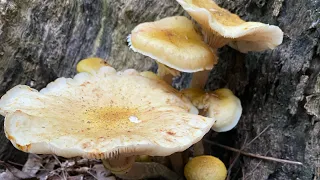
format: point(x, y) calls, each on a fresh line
point(205, 168)
point(222, 27)
point(102, 114)
point(174, 42)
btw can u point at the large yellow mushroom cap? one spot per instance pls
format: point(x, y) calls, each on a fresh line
point(205, 168)
point(222, 27)
point(173, 42)
point(103, 114)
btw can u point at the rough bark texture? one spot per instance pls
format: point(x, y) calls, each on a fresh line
point(43, 39)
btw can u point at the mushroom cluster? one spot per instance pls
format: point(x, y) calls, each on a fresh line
point(124, 118)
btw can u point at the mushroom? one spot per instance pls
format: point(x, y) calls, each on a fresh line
point(221, 27)
point(205, 168)
point(221, 104)
point(107, 115)
point(176, 46)
point(91, 64)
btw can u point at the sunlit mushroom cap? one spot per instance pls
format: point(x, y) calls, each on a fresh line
point(173, 42)
point(222, 27)
point(102, 115)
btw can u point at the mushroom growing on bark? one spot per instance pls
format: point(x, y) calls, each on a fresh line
point(205, 168)
point(106, 115)
point(220, 27)
point(174, 44)
point(221, 104)
point(91, 64)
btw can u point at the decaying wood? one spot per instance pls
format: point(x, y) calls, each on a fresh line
point(43, 39)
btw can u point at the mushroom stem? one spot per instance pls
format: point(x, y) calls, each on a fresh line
point(198, 149)
point(177, 162)
point(166, 73)
point(120, 165)
point(149, 170)
point(199, 79)
point(213, 39)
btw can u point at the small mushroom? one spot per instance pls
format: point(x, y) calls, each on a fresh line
point(91, 64)
point(205, 168)
point(221, 27)
point(107, 115)
point(221, 104)
point(174, 44)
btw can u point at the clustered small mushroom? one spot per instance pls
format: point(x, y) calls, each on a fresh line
point(205, 168)
point(125, 117)
point(221, 27)
point(91, 64)
point(174, 44)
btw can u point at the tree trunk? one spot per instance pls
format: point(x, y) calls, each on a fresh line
point(43, 39)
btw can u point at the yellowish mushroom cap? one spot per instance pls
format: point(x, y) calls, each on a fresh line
point(222, 27)
point(173, 42)
point(221, 104)
point(91, 64)
point(205, 168)
point(103, 114)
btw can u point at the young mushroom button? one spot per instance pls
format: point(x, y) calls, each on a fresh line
point(106, 115)
point(221, 27)
point(205, 168)
point(91, 64)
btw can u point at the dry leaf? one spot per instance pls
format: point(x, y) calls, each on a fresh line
point(32, 165)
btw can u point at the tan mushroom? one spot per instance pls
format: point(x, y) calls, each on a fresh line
point(104, 115)
point(174, 44)
point(221, 104)
point(205, 168)
point(91, 64)
point(221, 27)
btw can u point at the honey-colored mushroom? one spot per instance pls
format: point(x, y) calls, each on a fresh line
point(91, 64)
point(221, 27)
point(221, 104)
point(107, 115)
point(174, 44)
point(205, 168)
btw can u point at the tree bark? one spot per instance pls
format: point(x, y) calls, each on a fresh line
point(43, 39)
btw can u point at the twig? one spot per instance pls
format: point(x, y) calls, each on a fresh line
point(244, 146)
point(16, 164)
point(91, 174)
point(254, 169)
point(236, 159)
point(254, 155)
point(264, 130)
point(63, 171)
